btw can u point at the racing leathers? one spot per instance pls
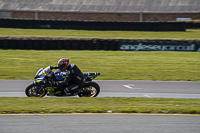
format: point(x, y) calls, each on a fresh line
point(74, 79)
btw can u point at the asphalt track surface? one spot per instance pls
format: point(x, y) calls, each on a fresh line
point(120, 88)
point(108, 123)
point(99, 123)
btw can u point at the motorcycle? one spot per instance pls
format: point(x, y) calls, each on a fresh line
point(42, 85)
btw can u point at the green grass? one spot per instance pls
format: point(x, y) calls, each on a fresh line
point(52, 33)
point(99, 105)
point(117, 65)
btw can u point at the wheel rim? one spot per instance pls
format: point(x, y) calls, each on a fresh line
point(34, 92)
point(93, 91)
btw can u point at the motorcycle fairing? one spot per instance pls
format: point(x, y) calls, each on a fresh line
point(59, 75)
point(52, 90)
point(37, 74)
point(38, 80)
point(91, 75)
point(43, 72)
point(40, 77)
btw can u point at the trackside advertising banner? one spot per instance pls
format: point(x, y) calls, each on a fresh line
point(99, 44)
point(162, 46)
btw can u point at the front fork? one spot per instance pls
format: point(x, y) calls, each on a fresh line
point(39, 87)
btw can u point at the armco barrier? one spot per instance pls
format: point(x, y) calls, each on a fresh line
point(98, 44)
point(92, 25)
point(192, 25)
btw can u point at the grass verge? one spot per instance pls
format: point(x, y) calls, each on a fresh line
point(115, 65)
point(99, 105)
point(54, 33)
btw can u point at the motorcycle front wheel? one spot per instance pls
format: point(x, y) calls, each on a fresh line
point(91, 89)
point(32, 91)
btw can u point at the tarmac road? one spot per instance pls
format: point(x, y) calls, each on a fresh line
point(108, 123)
point(99, 123)
point(120, 88)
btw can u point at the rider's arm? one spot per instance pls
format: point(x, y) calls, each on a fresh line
point(54, 67)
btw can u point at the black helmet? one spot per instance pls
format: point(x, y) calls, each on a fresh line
point(63, 64)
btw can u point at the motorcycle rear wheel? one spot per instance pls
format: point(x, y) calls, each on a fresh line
point(91, 89)
point(31, 91)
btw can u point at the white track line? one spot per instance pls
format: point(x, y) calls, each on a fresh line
point(131, 86)
point(128, 86)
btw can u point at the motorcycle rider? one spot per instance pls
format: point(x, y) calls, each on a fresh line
point(72, 72)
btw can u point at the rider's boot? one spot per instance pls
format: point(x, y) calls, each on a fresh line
point(49, 94)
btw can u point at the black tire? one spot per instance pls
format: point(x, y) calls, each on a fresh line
point(31, 91)
point(91, 89)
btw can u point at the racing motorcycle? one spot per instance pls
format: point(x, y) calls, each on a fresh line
point(42, 84)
